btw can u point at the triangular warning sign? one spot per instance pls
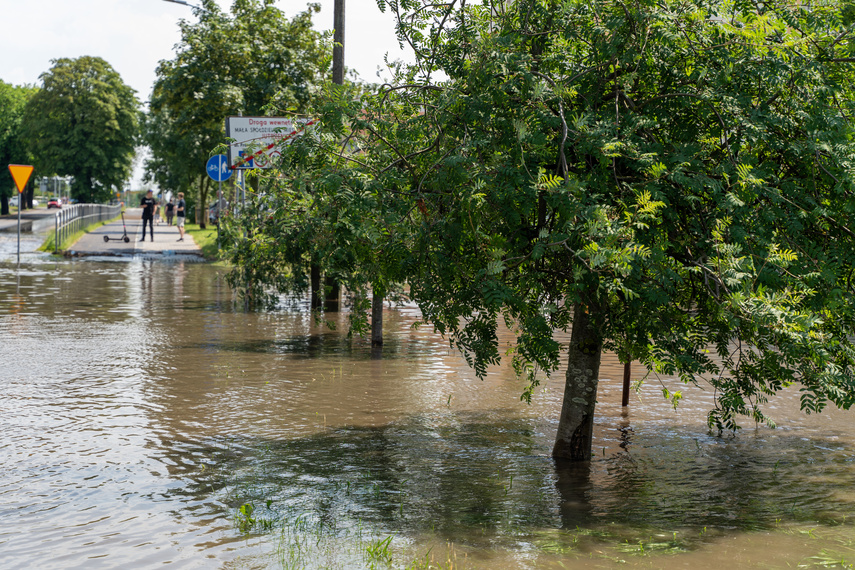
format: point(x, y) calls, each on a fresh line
point(20, 174)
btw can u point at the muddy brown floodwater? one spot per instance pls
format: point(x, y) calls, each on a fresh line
point(146, 421)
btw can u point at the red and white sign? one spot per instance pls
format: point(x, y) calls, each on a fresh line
point(257, 139)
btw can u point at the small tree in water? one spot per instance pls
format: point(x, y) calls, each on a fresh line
point(668, 179)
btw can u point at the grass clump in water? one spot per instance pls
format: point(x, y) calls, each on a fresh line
point(379, 552)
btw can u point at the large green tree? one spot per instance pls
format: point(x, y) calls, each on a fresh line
point(84, 122)
point(670, 180)
point(12, 148)
point(253, 61)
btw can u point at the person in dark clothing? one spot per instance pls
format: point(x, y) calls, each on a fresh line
point(170, 212)
point(148, 204)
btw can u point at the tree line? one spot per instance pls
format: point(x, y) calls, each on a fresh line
point(82, 120)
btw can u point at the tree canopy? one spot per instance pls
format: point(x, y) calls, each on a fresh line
point(84, 122)
point(671, 180)
point(254, 61)
point(13, 98)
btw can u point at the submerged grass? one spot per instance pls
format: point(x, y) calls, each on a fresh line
point(315, 540)
point(360, 498)
point(832, 559)
point(307, 540)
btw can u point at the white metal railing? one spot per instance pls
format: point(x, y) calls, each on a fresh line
point(71, 219)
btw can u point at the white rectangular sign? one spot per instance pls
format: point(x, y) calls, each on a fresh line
point(257, 139)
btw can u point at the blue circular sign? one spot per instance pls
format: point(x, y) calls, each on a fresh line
point(218, 168)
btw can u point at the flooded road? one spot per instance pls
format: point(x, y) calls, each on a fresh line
point(147, 421)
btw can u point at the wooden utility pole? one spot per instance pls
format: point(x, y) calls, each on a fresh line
point(333, 295)
point(627, 373)
point(338, 39)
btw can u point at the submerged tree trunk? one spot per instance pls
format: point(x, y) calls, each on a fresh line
point(333, 296)
point(576, 424)
point(574, 485)
point(315, 279)
point(376, 319)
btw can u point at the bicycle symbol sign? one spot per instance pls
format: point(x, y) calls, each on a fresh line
point(218, 168)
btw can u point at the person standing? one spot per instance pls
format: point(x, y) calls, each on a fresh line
point(148, 204)
point(180, 213)
point(170, 212)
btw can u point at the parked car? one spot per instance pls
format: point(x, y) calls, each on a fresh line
point(13, 201)
point(54, 203)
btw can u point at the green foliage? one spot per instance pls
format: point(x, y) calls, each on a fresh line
point(681, 171)
point(12, 149)
point(83, 122)
point(311, 212)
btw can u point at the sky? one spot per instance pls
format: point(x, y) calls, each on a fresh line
point(134, 35)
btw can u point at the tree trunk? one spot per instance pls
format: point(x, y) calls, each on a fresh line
point(333, 297)
point(315, 278)
point(231, 191)
point(202, 215)
point(376, 319)
point(576, 424)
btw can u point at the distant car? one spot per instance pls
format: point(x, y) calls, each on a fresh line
point(54, 203)
point(13, 201)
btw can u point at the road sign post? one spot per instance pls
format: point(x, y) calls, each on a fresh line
point(218, 169)
point(21, 175)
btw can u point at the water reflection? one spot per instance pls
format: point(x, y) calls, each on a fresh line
point(142, 411)
point(574, 485)
point(419, 476)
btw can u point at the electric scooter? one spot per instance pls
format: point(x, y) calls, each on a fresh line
point(125, 237)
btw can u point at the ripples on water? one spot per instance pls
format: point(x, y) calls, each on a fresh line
point(146, 421)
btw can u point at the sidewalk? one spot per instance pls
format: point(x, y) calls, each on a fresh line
point(165, 239)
